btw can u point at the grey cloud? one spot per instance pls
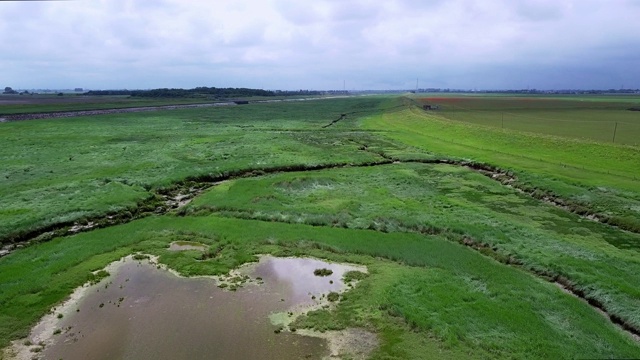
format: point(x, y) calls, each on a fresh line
point(540, 10)
point(293, 44)
point(298, 13)
point(354, 11)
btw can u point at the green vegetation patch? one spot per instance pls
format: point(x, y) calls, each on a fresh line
point(602, 177)
point(460, 204)
point(354, 275)
point(584, 117)
point(456, 299)
point(112, 164)
point(322, 272)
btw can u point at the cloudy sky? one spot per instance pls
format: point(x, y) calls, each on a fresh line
point(300, 44)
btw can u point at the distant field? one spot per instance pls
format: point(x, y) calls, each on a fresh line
point(591, 117)
point(25, 104)
point(22, 104)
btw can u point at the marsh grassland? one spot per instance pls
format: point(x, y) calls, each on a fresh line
point(480, 241)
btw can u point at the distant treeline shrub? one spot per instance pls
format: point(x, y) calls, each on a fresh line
point(202, 91)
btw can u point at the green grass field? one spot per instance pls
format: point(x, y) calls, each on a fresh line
point(109, 163)
point(461, 204)
point(592, 118)
point(460, 264)
point(598, 175)
point(423, 294)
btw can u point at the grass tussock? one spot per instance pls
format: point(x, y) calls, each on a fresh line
point(322, 272)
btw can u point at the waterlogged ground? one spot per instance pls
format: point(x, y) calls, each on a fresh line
point(143, 311)
point(186, 245)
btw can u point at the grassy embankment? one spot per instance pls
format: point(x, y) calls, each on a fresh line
point(600, 176)
point(588, 117)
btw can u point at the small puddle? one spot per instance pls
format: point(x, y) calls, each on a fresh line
point(142, 311)
point(187, 245)
point(294, 278)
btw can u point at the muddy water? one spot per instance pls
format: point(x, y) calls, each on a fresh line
point(296, 281)
point(142, 312)
point(186, 245)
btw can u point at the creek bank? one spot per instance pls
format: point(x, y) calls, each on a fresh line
point(571, 288)
point(159, 202)
point(165, 200)
point(352, 343)
point(342, 116)
point(559, 280)
point(508, 178)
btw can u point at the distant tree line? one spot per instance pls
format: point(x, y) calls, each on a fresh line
point(201, 92)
